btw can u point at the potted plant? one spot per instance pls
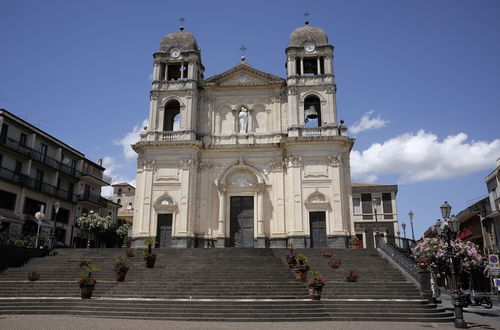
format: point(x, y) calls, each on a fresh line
point(422, 262)
point(301, 268)
point(122, 232)
point(33, 276)
point(354, 242)
point(121, 268)
point(84, 262)
point(351, 276)
point(130, 253)
point(335, 262)
point(290, 257)
point(327, 253)
point(149, 257)
point(86, 282)
point(316, 286)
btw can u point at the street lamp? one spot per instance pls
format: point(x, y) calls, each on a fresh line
point(410, 215)
point(449, 232)
point(403, 225)
point(39, 216)
point(374, 205)
point(91, 214)
point(53, 231)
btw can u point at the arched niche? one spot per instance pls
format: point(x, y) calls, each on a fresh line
point(165, 204)
point(171, 116)
point(310, 102)
point(317, 202)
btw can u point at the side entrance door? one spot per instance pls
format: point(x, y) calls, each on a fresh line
point(164, 231)
point(241, 222)
point(317, 222)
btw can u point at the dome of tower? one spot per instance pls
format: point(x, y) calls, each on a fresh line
point(183, 40)
point(308, 33)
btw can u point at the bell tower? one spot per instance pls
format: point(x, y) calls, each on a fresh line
point(177, 74)
point(310, 81)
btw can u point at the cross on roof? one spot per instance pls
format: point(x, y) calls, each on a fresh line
point(243, 48)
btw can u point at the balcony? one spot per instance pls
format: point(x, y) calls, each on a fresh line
point(97, 174)
point(34, 184)
point(16, 146)
point(94, 198)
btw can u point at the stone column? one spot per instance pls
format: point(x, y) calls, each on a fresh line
point(221, 236)
point(261, 238)
point(301, 66)
point(319, 66)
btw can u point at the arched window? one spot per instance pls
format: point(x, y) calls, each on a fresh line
point(312, 104)
point(171, 119)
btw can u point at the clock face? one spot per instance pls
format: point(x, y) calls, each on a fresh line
point(309, 47)
point(175, 52)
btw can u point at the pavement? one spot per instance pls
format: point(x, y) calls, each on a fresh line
point(476, 317)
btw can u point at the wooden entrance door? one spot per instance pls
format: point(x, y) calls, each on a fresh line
point(241, 222)
point(164, 231)
point(317, 222)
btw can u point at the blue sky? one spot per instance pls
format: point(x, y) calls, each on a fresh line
point(418, 81)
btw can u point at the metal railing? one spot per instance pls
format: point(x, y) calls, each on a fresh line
point(32, 183)
point(399, 258)
point(96, 173)
point(15, 146)
point(22, 240)
point(95, 198)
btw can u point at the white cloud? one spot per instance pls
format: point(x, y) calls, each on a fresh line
point(422, 157)
point(367, 123)
point(129, 139)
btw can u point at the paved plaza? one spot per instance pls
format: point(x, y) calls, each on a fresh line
point(476, 317)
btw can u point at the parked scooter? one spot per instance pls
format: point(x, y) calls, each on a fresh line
point(479, 300)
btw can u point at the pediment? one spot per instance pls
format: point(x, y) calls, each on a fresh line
point(243, 75)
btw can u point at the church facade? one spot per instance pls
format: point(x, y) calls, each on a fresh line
point(244, 158)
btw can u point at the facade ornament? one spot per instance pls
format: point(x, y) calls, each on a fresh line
point(185, 164)
point(334, 160)
point(205, 166)
point(241, 161)
point(294, 161)
point(148, 164)
point(330, 90)
point(292, 91)
point(189, 94)
point(221, 189)
point(153, 95)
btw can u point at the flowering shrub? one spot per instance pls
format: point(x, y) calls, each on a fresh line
point(466, 255)
point(122, 231)
point(93, 222)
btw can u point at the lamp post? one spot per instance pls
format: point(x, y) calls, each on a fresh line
point(410, 215)
point(449, 232)
point(374, 205)
point(53, 231)
point(403, 225)
point(91, 214)
point(39, 216)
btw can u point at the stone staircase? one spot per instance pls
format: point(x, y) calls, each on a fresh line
point(216, 285)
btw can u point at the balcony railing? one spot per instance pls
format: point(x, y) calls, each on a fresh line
point(95, 198)
point(38, 156)
point(32, 183)
point(15, 146)
point(98, 174)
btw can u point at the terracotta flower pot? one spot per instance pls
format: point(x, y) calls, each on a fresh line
point(334, 264)
point(120, 276)
point(351, 279)
point(87, 290)
point(150, 261)
point(33, 276)
point(327, 254)
point(315, 294)
point(300, 276)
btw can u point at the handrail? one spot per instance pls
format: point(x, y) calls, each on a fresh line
point(399, 258)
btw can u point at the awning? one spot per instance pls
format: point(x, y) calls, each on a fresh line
point(10, 216)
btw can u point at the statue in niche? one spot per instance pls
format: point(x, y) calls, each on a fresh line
point(243, 119)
